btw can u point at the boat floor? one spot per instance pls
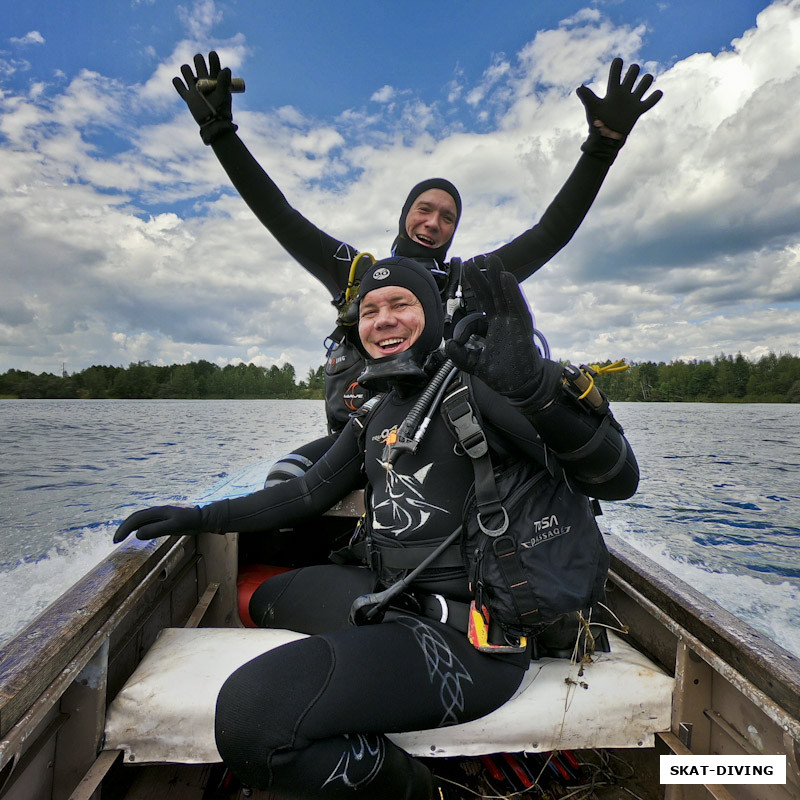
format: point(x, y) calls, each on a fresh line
point(606, 775)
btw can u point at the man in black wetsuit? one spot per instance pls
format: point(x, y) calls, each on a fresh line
point(329, 259)
point(308, 719)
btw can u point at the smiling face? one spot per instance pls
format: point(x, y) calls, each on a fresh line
point(390, 320)
point(431, 221)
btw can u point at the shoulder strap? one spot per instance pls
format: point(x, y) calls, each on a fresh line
point(462, 420)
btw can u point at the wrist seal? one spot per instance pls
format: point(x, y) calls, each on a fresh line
point(211, 130)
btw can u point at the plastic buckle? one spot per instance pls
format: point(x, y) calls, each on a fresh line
point(470, 434)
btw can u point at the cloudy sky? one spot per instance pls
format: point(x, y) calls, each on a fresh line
point(123, 241)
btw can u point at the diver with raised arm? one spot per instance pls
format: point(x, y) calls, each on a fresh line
point(428, 219)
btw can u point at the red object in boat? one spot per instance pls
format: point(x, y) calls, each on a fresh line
point(251, 576)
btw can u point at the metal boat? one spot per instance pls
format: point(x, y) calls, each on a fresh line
point(65, 678)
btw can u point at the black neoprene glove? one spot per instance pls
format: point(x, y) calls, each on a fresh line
point(150, 523)
point(623, 104)
point(509, 361)
point(212, 111)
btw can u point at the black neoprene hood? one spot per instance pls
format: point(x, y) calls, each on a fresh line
point(399, 271)
point(402, 245)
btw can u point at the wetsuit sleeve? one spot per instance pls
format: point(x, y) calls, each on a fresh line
point(338, 472)
point(590, 447)
point(328, 259)
point(534, 248)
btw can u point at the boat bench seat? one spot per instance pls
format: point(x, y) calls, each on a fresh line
point(165, 711)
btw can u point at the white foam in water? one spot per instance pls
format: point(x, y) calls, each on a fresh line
point(34, 585)
point(56, 570)
point(773, 609)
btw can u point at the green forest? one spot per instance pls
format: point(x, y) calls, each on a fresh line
point(771, 379)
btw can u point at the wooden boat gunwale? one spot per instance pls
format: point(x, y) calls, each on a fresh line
point(90, 639)
point(768, 667)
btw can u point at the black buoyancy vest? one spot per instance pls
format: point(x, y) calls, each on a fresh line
point(343, 393)
point(550, 560)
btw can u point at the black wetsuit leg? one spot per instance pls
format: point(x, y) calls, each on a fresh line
point(307, 719)
point(291, 600)
point(300, 461)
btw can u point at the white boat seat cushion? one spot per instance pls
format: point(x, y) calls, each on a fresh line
point(165, 712)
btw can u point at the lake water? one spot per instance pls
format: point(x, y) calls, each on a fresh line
point(718, 504)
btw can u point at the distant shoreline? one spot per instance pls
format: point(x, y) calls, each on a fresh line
point(725, 379)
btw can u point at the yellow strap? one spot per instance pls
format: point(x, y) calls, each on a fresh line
point(595, 369)
point(617, 366)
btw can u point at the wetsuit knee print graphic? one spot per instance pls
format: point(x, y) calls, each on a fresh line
point(307, 719)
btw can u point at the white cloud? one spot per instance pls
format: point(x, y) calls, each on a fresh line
point(144, 252)
point(200, 18)
point(384, 94)
point(32, 37)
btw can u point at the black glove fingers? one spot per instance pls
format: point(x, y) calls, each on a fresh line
point(587, 96)
point(200, 66)
point(590, 102)
point(156, 529)
point(494, 272)
point(506, 286)
point(180, 87)
point(188, 76)
point(614, 73)
point(517, 305)
point(479, 285)
point(134, 521)
point(630, 77)
point(213, 64)
point(652, 100)
point(505, 294)
point(123, 531)
point(224, 81)
point(644, 85)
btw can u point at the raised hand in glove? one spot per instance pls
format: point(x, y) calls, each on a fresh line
point(618, 111)
point(151, 523)
point(212, 111)
point(509, 361)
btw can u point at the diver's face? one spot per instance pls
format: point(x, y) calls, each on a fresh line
point(431, 220)
point(390, 320)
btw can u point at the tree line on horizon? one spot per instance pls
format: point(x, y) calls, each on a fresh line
point(771, 379)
